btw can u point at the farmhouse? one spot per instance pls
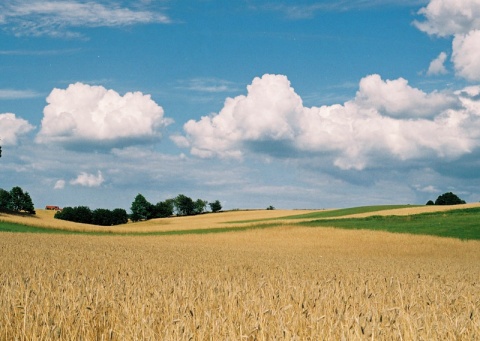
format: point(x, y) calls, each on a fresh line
point(52, 208)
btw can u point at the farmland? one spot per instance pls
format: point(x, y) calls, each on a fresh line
point(284, 282)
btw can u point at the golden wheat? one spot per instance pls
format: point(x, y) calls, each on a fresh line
point(282, 283)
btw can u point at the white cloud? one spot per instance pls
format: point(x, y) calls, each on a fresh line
point(265, 113)
point(466, 55)
point(397, 98)
point(54, 18)
point(449, 17)
point(12, 127)
point(93, 115)
point(460, 19)
point(385, 120)
point(88, 180)
point(60, 184)
point(437, 66)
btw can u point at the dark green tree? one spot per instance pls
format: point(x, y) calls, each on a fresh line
point(28, 204)
point(83, 214)
point(430, 202)
point(449, 199)
point(215, 206)
point(20, 201)
point(141, 208)
point(16, 199)
point(67, 213)
point(102, 216)
point(164, 209)
point(4, 200)
point(119, 216)
point(79, 214)
point(200, 206)
point(184, 205)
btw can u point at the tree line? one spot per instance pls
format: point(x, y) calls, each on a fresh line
point(141, 210)
point(16, 201)
point(99, 216)
point(181, 205)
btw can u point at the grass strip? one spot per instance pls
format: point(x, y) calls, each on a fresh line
point(347, 211)
point(462, 224)
point(21, 228)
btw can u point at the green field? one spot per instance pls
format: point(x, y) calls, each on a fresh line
point(461, 224)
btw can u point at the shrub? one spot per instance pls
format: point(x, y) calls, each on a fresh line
point(449, 199)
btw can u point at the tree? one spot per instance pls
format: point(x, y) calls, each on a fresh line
point(28, 204)
point(215, 206)
point(79, 214)
point(83, 214)
point(270, 208)
point(0, 151)
point(141, 208)
point(16, 199)
point(102, 216)
point(449, 199)
point(67, 213)
point(430, 202)
point(119, 216)
point(4, 200)
point(19, 201)
point(164, 209)
point(200, 206)
point(184, 205)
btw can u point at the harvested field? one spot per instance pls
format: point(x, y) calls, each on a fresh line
point(282, 283)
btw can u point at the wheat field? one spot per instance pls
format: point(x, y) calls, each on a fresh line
point(285, 283)
point(241, 218)
point(45, 219)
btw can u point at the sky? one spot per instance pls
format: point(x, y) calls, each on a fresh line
point(293, 104)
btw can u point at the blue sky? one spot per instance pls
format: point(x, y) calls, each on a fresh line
point(295, 104)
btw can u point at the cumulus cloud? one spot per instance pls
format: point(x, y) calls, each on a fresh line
point(11, 128)
point(264, 114)
point(93, 115)
point(461, 20)
point(386, 120)
point(466, 55)
point(88, 180)
point(449, 17)
point(55, 18)
point(397, 98)
point(437, 66)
